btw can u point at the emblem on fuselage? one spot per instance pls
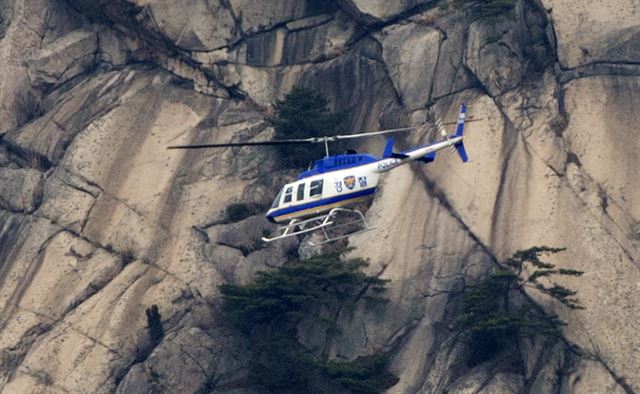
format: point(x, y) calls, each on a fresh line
point(350, 182)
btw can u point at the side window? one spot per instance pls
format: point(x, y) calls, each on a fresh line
point(316, 188)
point(287, 194)
point(300, 193)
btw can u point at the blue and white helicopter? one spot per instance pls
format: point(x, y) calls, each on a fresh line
point(335, 184)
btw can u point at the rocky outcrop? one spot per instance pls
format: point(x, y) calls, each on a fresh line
point(190, 27)
point(65, 58)
point(99, 223)
point(254, 17)
point(379, 11)
point(28, 29)
point(410, 53)
point(493, 55)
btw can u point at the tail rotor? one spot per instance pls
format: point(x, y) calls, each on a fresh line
point(441, 129)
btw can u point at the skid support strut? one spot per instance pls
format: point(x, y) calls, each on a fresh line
point(326, 223)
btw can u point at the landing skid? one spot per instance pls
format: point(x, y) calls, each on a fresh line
point(325, 223)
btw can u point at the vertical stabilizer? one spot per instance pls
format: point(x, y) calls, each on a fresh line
point(388, 148)
point(463, 115)
point(459, 133)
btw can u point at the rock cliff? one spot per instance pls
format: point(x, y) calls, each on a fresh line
point(98, 221)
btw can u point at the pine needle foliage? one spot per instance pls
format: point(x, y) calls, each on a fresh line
point(490, 11)
point(303, 113)
point(290, 293)
point(494, 316)
point(269, 310)
point(366, 374)
point(531, 257)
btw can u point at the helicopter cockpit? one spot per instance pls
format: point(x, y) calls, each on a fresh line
point(276, 201)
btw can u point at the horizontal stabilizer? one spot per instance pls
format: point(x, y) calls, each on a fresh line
point(428, 158)
point(461, 151)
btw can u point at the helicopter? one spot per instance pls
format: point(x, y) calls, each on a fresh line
point(336, 183)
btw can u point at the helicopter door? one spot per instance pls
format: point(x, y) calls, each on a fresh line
point(300, 192)
point(315, 189)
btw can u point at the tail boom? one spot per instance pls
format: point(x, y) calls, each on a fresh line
point(426, 154)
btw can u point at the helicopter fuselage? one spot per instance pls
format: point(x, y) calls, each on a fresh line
point(344, 180)
point(335, 183)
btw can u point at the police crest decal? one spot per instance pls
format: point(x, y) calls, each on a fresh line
point(350, 182)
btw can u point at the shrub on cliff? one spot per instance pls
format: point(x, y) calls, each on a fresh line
point(494, 314)
point(270, 309)
point(236, 212)
point(154, 324)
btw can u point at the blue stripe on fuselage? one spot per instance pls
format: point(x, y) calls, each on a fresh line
point(324, 201)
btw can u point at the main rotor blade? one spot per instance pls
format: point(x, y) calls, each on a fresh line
point(296, 141)
point(371, 133)
point(249, 143)
point(374, 133)
point(315, 140)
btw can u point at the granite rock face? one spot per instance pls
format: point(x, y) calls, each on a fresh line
point(190, 27)
point(27, 30)
point(64, 59)
point(595, 31)
point(20, 189)
point(410, 53)
point(99, 223)
point(379, 11)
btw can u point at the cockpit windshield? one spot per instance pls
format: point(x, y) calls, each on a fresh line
point(276, 201)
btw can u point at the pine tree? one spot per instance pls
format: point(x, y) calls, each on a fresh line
point(269, 310)
point(491, 320)
point(303, 114)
